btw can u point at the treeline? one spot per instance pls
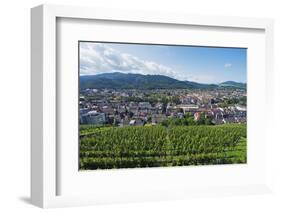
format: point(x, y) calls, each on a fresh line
point(187, 120)
point(232, 101)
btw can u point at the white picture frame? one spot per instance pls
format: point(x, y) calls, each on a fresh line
point(44, 154)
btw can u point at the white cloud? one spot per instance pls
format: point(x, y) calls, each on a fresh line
point(97, 58)
point(227, 65)
point(100, 58)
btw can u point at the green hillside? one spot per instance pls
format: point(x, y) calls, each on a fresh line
point(119, 80)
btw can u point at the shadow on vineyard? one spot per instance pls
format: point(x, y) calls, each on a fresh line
point(158, 146)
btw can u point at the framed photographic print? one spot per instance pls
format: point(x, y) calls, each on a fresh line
point(188, 108)
point(130, 106)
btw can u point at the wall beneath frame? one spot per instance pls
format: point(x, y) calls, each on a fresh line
point(15, 104)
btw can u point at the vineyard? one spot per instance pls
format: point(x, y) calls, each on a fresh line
point(159, 146)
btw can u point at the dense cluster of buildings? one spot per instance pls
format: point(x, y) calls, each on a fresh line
point(140, 107)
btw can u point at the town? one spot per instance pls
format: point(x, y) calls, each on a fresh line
point(133, 107)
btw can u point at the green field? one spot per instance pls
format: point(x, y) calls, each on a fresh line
point(159, 146)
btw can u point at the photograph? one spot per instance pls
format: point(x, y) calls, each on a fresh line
point(161, 105)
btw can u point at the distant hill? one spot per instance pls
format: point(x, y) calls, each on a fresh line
point(132, 81)
point(233, 84)
point(119, 80)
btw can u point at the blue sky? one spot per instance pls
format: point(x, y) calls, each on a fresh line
point(200, 64)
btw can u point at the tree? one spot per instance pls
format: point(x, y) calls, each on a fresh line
point(176, 100)
point(204, 120)
point(131, 114)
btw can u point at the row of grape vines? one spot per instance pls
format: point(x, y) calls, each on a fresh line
point(158, 146)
